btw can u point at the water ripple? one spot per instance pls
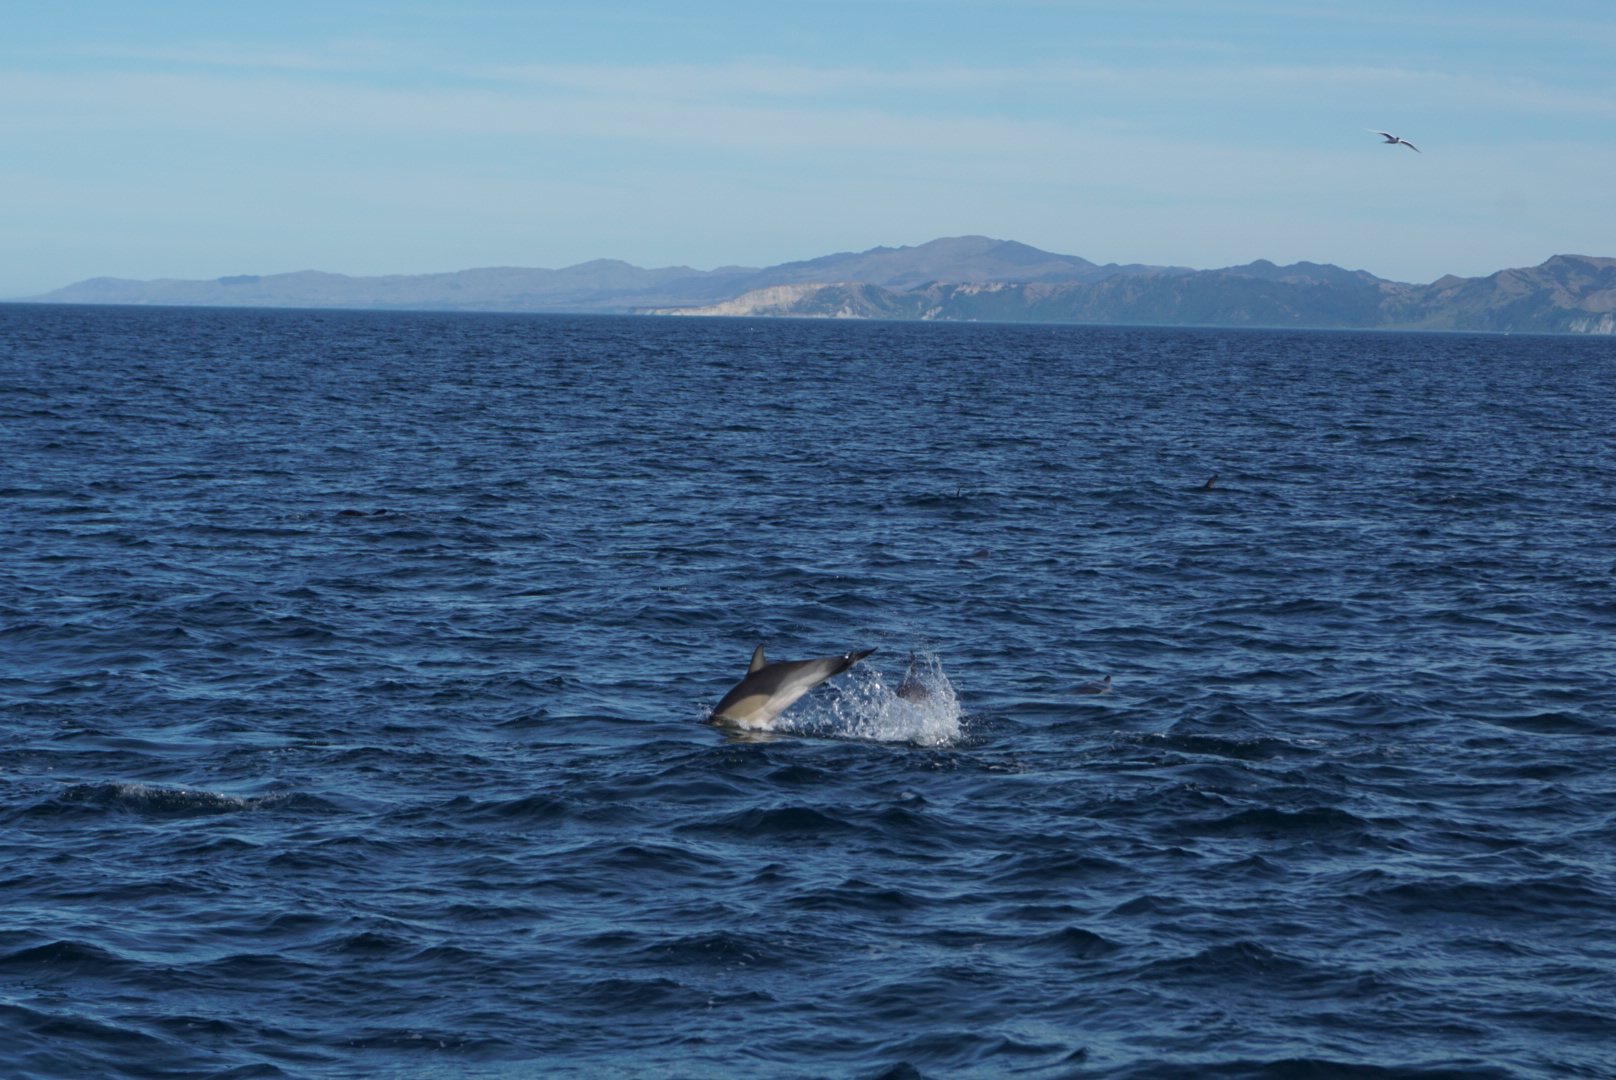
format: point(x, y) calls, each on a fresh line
point(355, 664)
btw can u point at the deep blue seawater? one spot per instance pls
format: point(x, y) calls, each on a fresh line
point(292, 792)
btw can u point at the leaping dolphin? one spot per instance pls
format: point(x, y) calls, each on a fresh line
point(770, 689)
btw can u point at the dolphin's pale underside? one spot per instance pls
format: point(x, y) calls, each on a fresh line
point(770, 689)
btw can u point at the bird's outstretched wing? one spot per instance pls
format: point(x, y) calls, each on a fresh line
point(1394, 139)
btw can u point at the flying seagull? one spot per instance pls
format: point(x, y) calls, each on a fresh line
point(1394, 140)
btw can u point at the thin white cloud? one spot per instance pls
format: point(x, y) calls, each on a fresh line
point(747, 105)
point(364, 56)
point(405, 62)
point(1141, 84)
point(220, 55)
point(1507, 19)
point(795, 139)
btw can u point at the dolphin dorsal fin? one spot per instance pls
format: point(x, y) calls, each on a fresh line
point(757, 660)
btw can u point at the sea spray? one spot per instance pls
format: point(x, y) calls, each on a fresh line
point(865, 706)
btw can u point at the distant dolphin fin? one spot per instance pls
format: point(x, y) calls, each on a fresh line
point(757, 660)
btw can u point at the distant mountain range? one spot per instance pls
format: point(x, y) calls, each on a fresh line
point(966, 278)
point(606, 285)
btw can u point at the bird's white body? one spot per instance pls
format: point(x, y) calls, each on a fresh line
point(1395, 140)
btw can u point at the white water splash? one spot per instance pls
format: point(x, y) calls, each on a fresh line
point(865, 707)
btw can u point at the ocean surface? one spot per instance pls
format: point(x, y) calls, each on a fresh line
point(353, 670)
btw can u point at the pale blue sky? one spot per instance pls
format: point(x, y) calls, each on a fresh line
point(200, 139)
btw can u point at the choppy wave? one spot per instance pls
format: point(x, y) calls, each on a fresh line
point(145, 800)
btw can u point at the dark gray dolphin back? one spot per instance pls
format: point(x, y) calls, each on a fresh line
point(911, 689)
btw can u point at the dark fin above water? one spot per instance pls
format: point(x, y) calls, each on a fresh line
point(911, 689)
point(757, 660)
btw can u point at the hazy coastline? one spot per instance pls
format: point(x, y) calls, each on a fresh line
point(959, 279)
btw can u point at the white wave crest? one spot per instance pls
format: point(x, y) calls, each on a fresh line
point(865, 707)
